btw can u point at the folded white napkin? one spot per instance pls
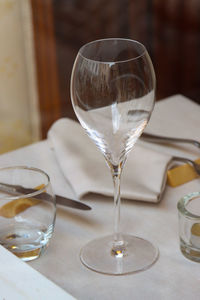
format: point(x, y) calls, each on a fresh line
point(143, 177)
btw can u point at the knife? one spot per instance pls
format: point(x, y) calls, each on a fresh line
point(166, 139)
point(18, 189)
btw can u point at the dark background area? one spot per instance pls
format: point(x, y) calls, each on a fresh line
point(170, 30)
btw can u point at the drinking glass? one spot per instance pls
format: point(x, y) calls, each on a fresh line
point(27, 211)
point(112, 92)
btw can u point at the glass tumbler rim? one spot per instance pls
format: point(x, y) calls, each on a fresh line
point(182, 204)
point(144, 51)
point(31, 194)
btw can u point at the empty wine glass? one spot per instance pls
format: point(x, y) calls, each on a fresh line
point(112, 92)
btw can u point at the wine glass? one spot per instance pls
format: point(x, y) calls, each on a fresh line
point(113, 92)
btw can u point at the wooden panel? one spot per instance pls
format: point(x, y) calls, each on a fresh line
point(47, 77)
point(176, 47)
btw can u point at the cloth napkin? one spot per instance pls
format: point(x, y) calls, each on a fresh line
point(143, 177)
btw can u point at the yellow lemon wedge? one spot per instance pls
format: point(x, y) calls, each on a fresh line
point(13, 208)
point(181, 174)
point(195, 230)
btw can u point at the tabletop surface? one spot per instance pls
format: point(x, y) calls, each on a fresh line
point(171, 277)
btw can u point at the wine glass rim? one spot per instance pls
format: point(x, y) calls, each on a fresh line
point(111, 39)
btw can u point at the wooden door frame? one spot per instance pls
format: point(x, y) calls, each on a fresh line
point(46, 63)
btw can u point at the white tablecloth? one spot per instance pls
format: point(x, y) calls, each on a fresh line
point(171, 277)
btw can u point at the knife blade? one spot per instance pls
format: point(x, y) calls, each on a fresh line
point(71, 203)
point(154, 138)
point(18, 189)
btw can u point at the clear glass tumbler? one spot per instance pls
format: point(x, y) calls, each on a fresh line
point(189, 225)
point(27, 211)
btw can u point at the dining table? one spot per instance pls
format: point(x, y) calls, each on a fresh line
point(172, 276)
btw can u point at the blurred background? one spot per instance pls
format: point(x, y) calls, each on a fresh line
point(40, 39)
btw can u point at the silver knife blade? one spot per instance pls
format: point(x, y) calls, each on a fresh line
point(71, 203)
point(154, 138)
point(18, 189)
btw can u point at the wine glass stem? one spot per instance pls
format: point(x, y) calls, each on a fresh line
point(118, 243)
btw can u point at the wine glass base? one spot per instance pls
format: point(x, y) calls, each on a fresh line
point(138, 255)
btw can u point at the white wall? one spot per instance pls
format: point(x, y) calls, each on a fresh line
point(19, 116)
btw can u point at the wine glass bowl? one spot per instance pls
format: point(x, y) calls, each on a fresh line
point(112, 92)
